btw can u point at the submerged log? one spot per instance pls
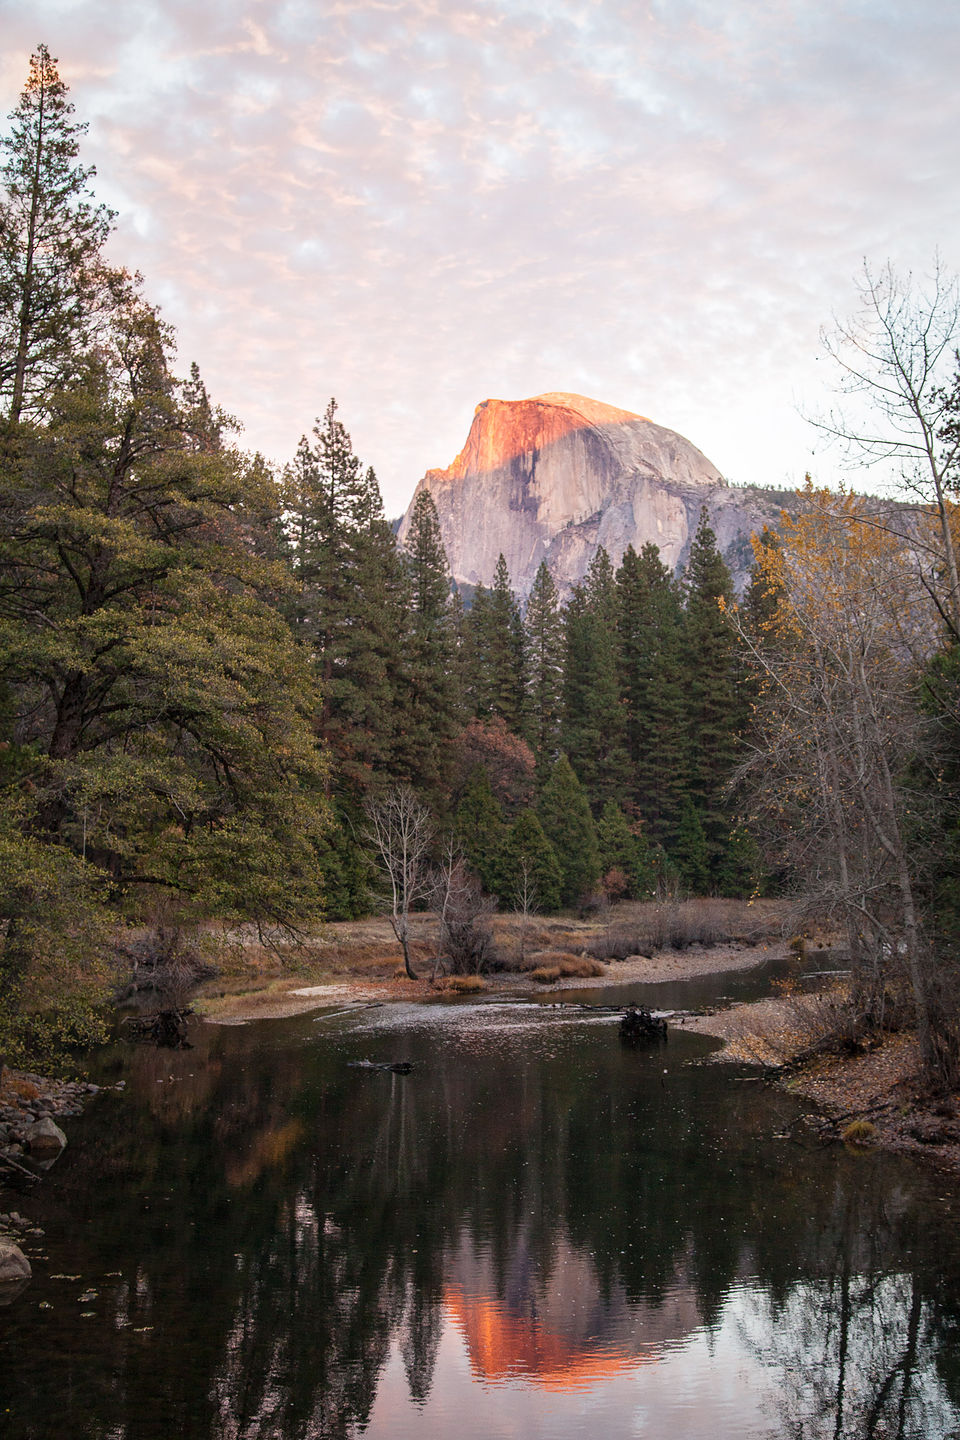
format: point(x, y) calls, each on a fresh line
point(398, 1067)
point(639, 1025)
point(166, 1028)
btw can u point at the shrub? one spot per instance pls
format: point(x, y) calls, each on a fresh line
point(460, 984)
point(857, 1132)
point(557, 965)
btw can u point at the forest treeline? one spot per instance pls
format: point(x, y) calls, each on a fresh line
point(211, 668)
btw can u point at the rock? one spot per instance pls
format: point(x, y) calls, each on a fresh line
point(554, 477)
point(935, 1130)
point(14, 1265)
point(45, 1137)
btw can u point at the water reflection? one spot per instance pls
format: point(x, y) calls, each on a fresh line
point(534, 1232)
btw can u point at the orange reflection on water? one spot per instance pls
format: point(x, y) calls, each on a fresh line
point(505, 1347)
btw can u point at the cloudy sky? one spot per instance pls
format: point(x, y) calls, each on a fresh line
point(417, 204)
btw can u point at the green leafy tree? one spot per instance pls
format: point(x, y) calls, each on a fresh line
point(568, 824)
point(53, 907)
point(51, 234)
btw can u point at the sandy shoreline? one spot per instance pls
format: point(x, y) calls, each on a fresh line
point(687, 964)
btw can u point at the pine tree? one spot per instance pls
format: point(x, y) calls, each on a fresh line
point(497, 653)
point(481, 829)
point(618, 850)
point(172, 747)
point(52, 281)
point(592, 730)
point(365, 717)
point(430, 705)
point(544, 648)
point(473, 662)
point(529, 876)
point(714, 700)
point(568, 825)
point(691, 852)
point(649, 624)
point(349, 602)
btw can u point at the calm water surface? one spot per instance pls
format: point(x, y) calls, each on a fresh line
point(537, 1233)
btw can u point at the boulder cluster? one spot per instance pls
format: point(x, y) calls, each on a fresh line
point(30, 1106)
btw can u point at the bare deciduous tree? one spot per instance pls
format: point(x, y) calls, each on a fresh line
point(525, 901)
point(838, 725)
point(897, 355)
point(400, 830)
point(464, 936)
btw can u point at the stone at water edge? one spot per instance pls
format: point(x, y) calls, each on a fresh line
point(45, 1137)
point(14, 1265)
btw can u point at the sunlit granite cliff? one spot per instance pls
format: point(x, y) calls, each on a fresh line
point(554, 477)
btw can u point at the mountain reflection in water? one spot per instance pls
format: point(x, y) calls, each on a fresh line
point(535, 1233)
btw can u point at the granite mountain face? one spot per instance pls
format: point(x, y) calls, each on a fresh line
point(554, 477)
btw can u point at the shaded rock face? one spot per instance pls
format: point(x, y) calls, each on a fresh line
point(45, 1138)
point(14, 1265)
point(554, 477)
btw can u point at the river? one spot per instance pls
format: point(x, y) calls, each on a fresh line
point(536, 1233)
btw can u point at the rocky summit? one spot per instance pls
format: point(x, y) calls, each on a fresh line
point(554, 477)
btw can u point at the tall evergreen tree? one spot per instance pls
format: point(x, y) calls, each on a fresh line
point(649, 625)
point(473, 662)
point(618, 851)
point(543, 627)
point(348, 603)
point(592, 731)
point(172, 747)
point(368, 674)
point(714, 699)
point(481, 829)
point(568, 824)
point(430, 707)
point(499, 657)
point(529, 873)
point(52, 280)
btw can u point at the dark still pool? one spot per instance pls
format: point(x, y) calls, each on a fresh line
point(535, 1233)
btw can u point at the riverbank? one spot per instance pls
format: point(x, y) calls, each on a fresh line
point(30, 1107)
point(871, 1098)
point(633, 943)
point(285, 998)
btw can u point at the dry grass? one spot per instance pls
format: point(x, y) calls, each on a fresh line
point(549, 966)
point(643, 928)
point(246, 997)
point(460, 984)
